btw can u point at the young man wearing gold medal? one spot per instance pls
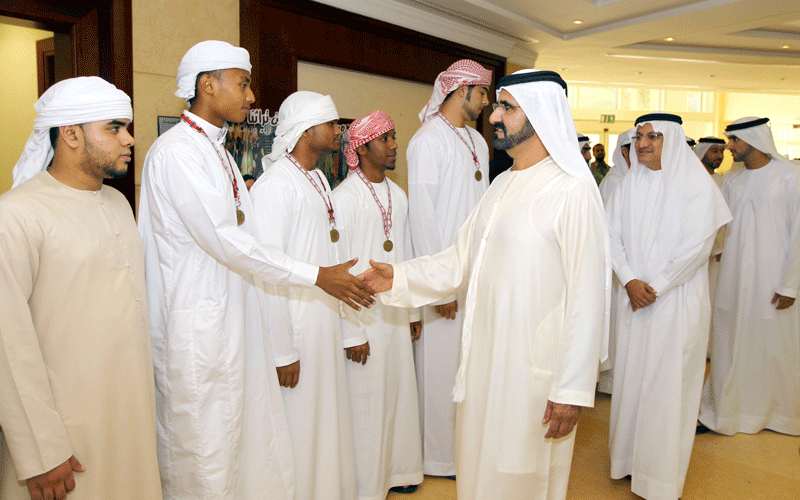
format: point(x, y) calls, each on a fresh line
point(294, 214)
point(222, 428)
point(373, 214)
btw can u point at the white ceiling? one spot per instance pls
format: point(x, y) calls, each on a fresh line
point(725, 45)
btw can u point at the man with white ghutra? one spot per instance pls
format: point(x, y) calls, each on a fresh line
point(663, 219)
point(533, 258)
point(755, 351)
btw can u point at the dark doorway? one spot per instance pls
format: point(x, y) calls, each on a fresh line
point(93, 38)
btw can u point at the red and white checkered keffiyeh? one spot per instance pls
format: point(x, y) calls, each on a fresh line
point(363, 130)
point(463, 72)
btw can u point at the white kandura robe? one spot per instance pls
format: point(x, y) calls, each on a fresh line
point(605, 382)
point(538, 326)
point(222, 426)
point(76, 370)
point(383, 392)
point(754, 382)
point(714, 265)
point(660, 354)
point(305, 325)
point(442, 191)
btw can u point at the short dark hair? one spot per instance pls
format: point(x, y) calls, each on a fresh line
point(217, 73)
point(469, 89)
point(53, 136)
point(247, 177)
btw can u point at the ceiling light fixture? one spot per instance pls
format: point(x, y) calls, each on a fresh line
point(785, 47)
point(577, 21)
point(669, 39)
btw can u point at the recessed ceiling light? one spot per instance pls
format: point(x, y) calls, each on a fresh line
point(639, 72)
point(669, 39)
point(785, 47)
point(577, 21)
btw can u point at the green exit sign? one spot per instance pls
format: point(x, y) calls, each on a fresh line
point(608, 118)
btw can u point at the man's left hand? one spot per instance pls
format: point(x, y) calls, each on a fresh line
point(358, 354)
point(562, 419)
point(783, 301)
point(416, 330)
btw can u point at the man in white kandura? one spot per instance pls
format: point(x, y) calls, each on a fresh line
point(222, 426)
point(754, 382)
point(585, 146)
point(77, 398)
point(534, 257)
point(294, 214)
point(448, 169)
point(608, 185)
point(663, 218)
point(373, 212)
point(711, 151)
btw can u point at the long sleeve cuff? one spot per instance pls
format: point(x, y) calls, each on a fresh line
point(572, 397)
point(398, 295)
point(287, 359)
point(786, 292)
point(625, 274)
point(659, 284)
point(304, 274)
point(444, 301)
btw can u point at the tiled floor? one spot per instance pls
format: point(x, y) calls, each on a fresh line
point(740, 467)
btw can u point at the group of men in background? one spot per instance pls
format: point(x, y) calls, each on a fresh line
point(168, 363)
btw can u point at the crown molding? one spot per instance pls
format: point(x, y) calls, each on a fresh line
point(423, 21)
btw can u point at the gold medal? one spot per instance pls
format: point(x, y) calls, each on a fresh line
point(387, 245)
point(334, 235)
point(239, 217)
point(478, 175)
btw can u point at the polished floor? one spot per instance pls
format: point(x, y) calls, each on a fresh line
point(740, 467)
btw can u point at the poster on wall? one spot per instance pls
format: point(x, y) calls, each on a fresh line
point(250, 141)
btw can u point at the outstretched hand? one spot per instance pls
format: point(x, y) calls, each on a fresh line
point(338, 282)
point(379, 277)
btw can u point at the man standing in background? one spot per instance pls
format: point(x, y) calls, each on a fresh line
point(448, 167)
point(755, 349)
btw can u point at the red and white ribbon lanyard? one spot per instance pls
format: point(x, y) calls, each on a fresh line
point(325, 198)
point(226, 164)
point(472, 150)
point(386, 215)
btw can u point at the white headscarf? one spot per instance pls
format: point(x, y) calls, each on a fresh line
point(624, 139)
point(758, 135)
point(704, 144)
point(688, 209)
point(298, 113)
point(74, 101)
point(545, 104)
point(463, 72)
point(210, 55)
point(615, 174)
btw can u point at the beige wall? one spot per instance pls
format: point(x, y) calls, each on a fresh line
point(163, 30)
point(17, 94)
point(357, 94)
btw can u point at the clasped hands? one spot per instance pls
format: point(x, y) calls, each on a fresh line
point(640, 293)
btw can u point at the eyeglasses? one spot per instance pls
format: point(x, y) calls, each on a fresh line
point(504, 107)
